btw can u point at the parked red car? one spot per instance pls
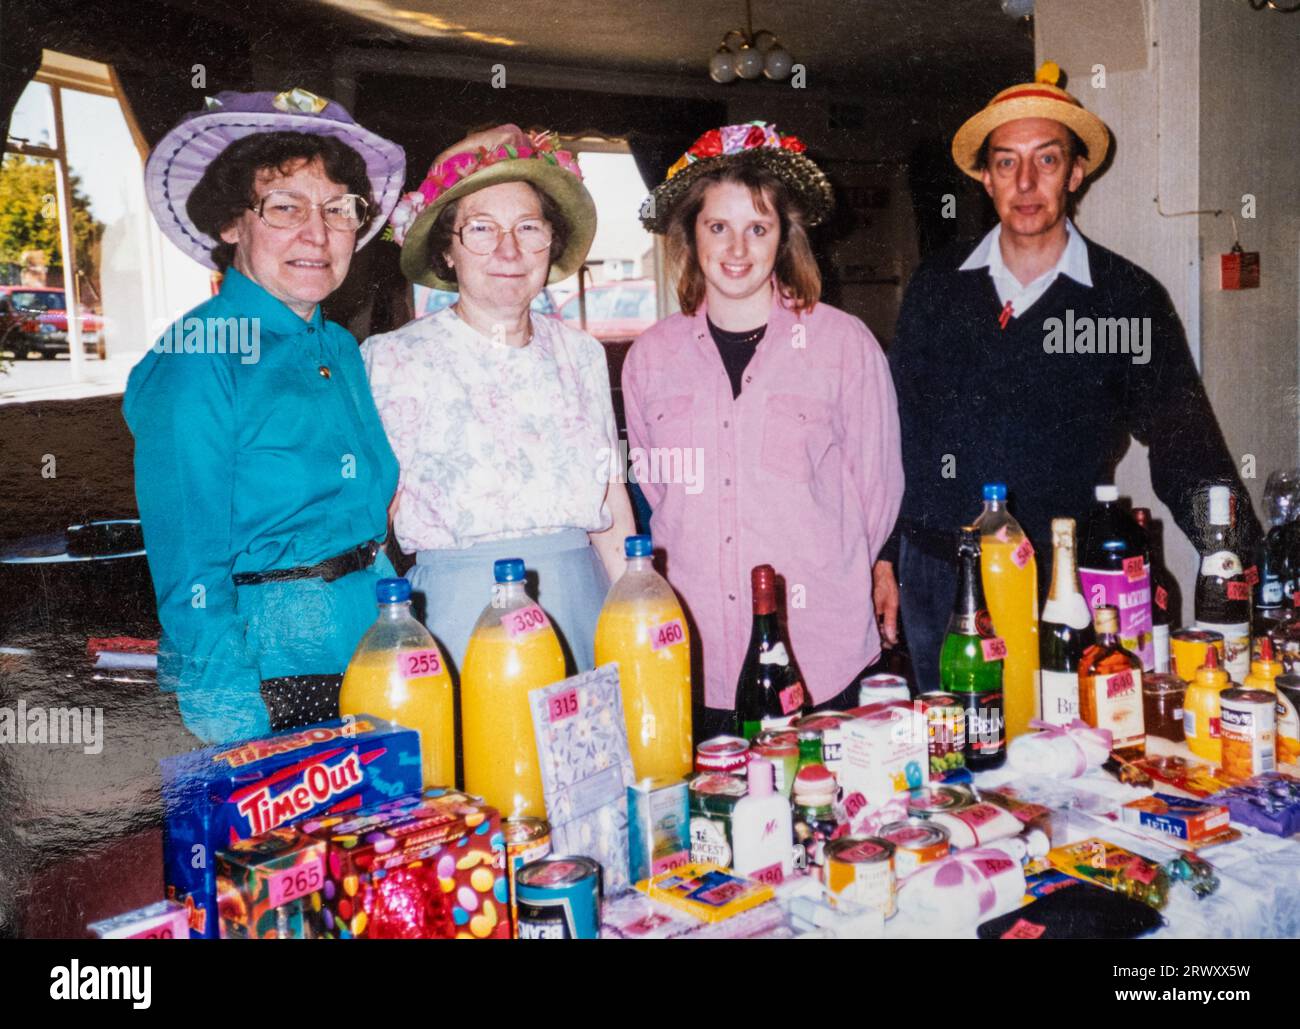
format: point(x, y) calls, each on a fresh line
point(617, 312)
point(36, 318)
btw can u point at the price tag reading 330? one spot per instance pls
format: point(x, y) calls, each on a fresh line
point(525, 621)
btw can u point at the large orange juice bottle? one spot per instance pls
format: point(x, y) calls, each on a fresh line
point(643, 630)
point(512, 650)
point(1010, 576)
point(398, 672)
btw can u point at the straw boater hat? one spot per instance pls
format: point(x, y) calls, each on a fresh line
point(179, 160)
point(1042, 98)
point(534, 158)
point(759, 143)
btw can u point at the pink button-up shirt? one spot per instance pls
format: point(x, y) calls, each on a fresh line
point(802, 471)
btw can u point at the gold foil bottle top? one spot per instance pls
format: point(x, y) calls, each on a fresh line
point(1063, 532)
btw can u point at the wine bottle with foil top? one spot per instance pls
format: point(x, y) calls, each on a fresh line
point(1222, 593)
point(1064, 633)
point(1110, 687)
point(970, 662)
point(1164, 591)
point(770, 693)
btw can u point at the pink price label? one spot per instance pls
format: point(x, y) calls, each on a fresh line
point(1162, 598)
point(416, 664)
point(1238, 590)
point(1140, 870)
point(525, 621)
point(1003, 534)
point(563, 705)
point(1252, 576)
point(995, 649)
point(299, 881)
point(667, 635)
point(1024, 930)
point(773, 875)
point(992, 867)
point(791, 698)
point(1134, 568)
point(175, 927)
point(1021, 555)
point(1119, 683)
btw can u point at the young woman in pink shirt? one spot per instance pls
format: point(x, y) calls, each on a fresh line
point(762, 424)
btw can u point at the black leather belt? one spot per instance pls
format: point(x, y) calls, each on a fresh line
point(354, 560)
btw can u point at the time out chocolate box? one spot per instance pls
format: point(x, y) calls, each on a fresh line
point(220, 795)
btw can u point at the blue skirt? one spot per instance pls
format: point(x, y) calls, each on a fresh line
point(564, 574)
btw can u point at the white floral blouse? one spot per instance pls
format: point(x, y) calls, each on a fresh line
point(494, 442)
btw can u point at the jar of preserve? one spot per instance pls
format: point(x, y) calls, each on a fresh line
point(1162, 706)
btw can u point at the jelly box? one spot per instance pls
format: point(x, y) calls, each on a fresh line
point(269, 887)
point(215, 797)
point(429, 868)
point(164, 920)
point(885, 751)
point(1193, 821)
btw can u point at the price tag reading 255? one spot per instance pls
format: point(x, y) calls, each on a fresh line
point(525, 621)
point(416, 664)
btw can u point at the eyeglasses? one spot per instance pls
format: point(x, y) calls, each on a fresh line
point(483, 237)
point(284, 209)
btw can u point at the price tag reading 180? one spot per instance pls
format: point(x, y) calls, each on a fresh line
point(995, 649)
point(296, 882)
point(667, 635)
point(416, 664)
point(525, 621)
point(563, 705)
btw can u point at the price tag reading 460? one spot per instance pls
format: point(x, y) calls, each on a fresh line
point(296, 882)
point(667, 634)
point(525, 621)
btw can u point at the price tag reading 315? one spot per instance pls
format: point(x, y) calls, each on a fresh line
point(563, 705)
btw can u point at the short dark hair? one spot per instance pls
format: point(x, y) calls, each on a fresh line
point(1077, 148)
point(229, 184)
point(443, 232)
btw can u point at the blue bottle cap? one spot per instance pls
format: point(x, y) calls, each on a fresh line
point(393, 591)
point(995, 491)
point(638, 546)
point(510, 569)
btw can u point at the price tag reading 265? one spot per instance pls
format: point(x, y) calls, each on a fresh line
point(416, 664)
point(296, 882)
point(525, 621)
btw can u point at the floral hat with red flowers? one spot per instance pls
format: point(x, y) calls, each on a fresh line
point(533, 157)
point(758, 142)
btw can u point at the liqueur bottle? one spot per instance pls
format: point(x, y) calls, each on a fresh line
point(770, 693)
point(1110, 687)
point(1164, 591)
point(970, 663)
point(1065, 632)
point(1113, 570)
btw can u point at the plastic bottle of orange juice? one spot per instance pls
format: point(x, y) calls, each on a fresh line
point(513, 649)
point(643, 630)
point(1010, 576)
point(398, 672)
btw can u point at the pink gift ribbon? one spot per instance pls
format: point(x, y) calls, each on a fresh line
point(1082, 735)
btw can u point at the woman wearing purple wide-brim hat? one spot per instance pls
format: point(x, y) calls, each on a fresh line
point(262, 470)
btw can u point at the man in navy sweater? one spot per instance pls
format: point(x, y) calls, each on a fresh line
point(1030, 359)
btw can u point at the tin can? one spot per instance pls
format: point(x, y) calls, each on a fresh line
point(830, 725)
point(861, 869)
point(713, 800)
point(931, 800)
point(1288, 719)
point(658, 826)
point(945, 719)
point(528, 839)
point(1286, 645)
point(1248, 727)
point(916, 843)
point(1162, 706)
point(559, 899)
point(875, 689)
point(1189, 647)
point(722, 754)
point(781, 747)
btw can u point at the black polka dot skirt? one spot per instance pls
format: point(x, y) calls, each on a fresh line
point(297, 700)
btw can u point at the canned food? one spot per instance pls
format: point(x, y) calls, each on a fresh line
point(1188, 648)
point(861, 869)
point(1162, 706)
point(528, 839)
point(559, 899)
point(781, 747)
point(830, 724)
point(722, 754)
point(876, 689)
point(1286, 645)
point(712, 800)
point(930, 800)
point(1288, 719)
point(916, 843)
point(1248, 728)
point(945, 731)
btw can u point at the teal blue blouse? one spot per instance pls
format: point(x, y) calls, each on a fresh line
point(247, 461)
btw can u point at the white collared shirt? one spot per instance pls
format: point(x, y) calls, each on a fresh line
point(1022, 296)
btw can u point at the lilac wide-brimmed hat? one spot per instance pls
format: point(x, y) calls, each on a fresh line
point(181, 157)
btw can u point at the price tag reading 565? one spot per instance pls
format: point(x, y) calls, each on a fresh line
point(525, 621)
point(995, 649)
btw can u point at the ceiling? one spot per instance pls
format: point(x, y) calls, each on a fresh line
point(844, 44)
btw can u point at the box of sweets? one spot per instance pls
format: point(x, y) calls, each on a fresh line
point(215, 797)
point(269, 887)
point(432, 867)
point(885, 751)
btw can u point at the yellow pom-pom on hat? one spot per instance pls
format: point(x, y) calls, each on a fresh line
point(1048, 72)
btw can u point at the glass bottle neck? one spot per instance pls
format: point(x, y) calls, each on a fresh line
point(1065, 583)
point(970, 590)
point(505, 594)
point(395, 611)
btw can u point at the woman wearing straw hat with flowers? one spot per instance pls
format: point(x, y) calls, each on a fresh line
point(501, 420)
point(788, 402)
point(262, 470)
